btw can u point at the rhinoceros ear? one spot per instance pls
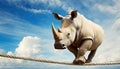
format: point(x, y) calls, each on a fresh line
point(59, 17)
point(73, 14)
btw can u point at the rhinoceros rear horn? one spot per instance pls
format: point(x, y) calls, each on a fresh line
point(55, 32)
point(59, 30)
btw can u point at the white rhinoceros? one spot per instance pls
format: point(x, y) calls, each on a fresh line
point(78, 35)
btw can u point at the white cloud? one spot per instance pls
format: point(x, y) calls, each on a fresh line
point(2, 51)
point(19, 4)
point(116, 25)
point(35, 10)
point(112, 9)
point(47, 3)
point(107, 9)
point(39, 11)
point(10, 53)
point(29, 46)
point(51, 3)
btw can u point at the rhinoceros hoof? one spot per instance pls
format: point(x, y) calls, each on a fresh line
point(88, 61)
point(79, 62)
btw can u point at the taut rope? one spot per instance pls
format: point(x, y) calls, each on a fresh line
point(56, 62)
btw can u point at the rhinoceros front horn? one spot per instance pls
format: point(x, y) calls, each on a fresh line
point(55, 32)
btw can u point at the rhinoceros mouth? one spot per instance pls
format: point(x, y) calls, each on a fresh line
point(59, 46)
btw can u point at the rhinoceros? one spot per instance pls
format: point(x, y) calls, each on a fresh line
point(78, 35)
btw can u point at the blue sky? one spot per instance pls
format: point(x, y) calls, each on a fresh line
point(25, 30)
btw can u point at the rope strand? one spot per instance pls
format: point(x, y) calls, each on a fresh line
point(55, 62)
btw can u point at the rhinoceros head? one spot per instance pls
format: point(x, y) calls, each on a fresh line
point(68, 19)
point(64, 36)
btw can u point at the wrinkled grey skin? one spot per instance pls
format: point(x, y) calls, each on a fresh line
point(78, 35)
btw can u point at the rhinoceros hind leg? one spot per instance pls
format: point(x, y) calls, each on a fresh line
point(91, 55)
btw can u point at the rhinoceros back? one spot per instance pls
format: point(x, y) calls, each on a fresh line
point(92, 31)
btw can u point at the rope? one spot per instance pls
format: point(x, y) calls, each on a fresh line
point(56, 62)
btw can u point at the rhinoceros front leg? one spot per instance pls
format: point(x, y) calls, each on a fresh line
point(91, 55)
point(74, 50)
point(86, 44)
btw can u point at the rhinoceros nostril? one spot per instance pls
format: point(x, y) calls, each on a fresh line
point(63, 44)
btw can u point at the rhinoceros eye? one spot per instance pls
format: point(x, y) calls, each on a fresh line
point(68, 34)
